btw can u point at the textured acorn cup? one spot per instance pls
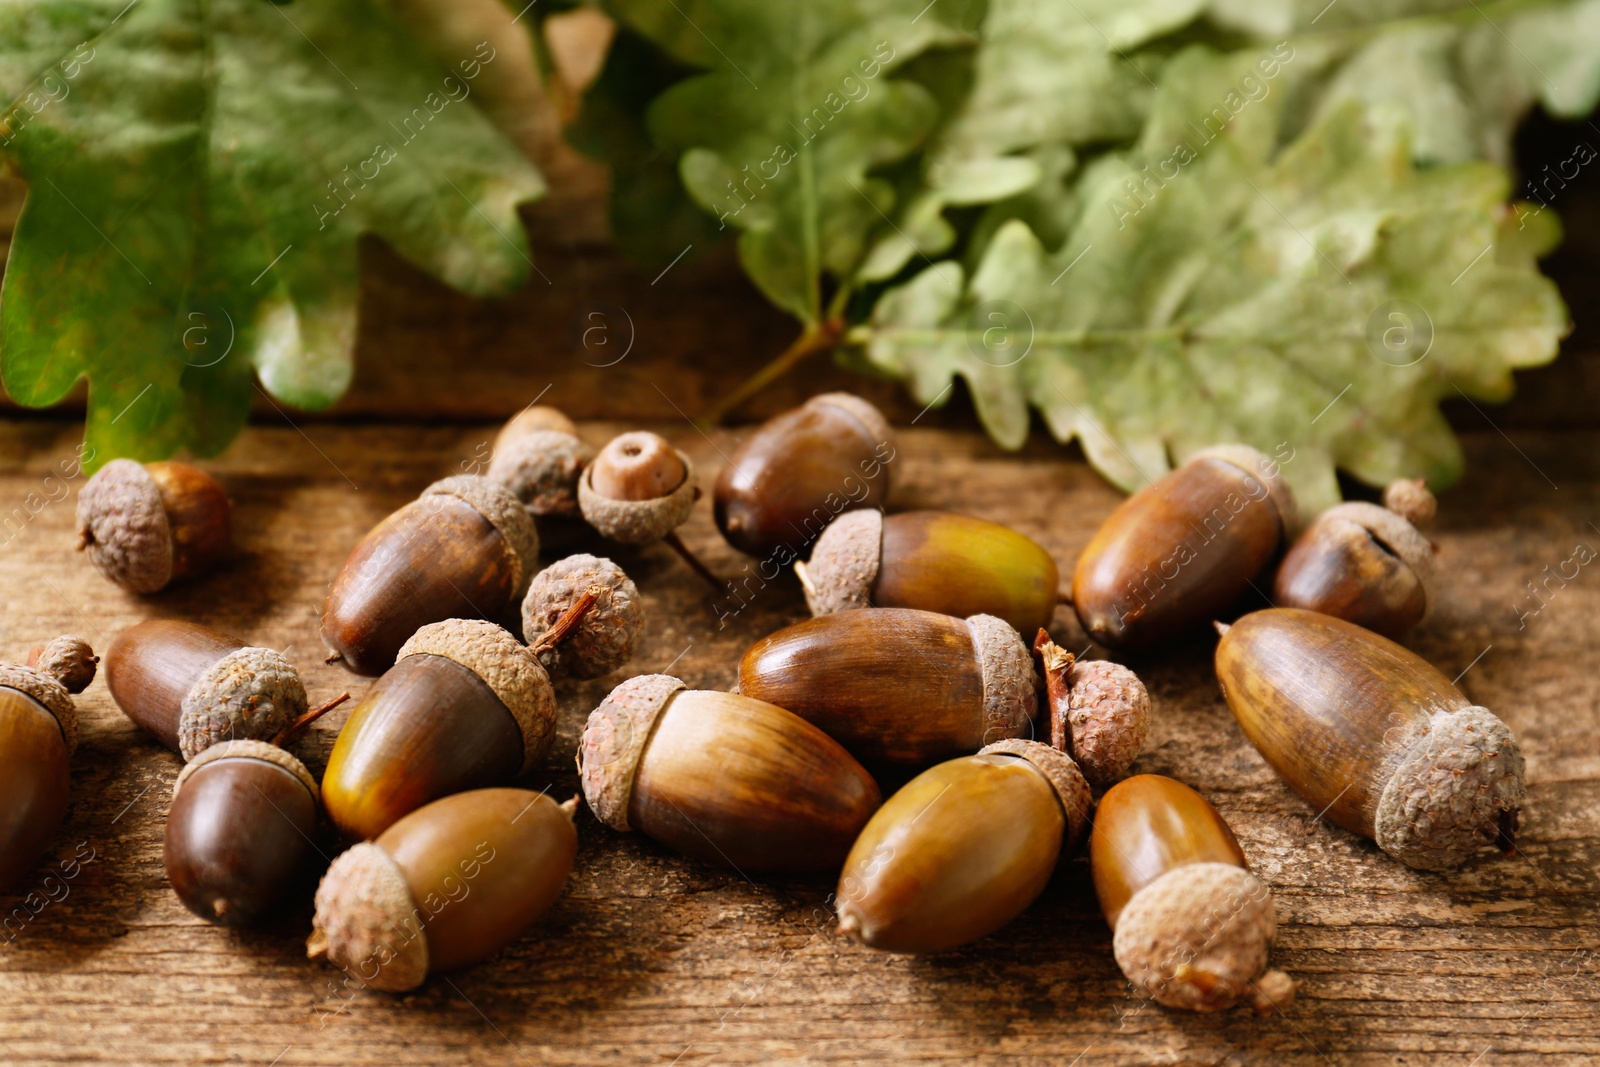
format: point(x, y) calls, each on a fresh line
point(464, 549)
point(1372, 736)
point(1362, 563)
point(68, 659)
point(935, 561)
point(191, 687)
point(638, 489)
point(466, 706)
point(539, 456)
point(1193, 927)
point(241, 832)
point(897, 685)
point(789, 478)
point(145, 525)
point(1183, 550)
point(447, 886)
point(605, 637)
point(723, 778)
point(38, 733)
point(963, 848)
point(1099, 712)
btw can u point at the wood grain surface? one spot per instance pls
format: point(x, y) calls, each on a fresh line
point(653, 959)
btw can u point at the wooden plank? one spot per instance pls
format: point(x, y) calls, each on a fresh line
point(652, 959)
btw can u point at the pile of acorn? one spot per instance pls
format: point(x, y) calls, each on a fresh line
point(915, 658)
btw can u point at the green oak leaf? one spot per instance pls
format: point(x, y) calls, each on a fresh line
point(199, 175)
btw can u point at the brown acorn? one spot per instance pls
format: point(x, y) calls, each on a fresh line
point(1193, 927)
point(1099, 711)
point(639, 490)
point(145, 525)
point(465, 548)
point(932, 560)
point(897, 685)
point(449, 885)
point(68, 659)
point(1183, 550)
point(1372, 736)
point(539, 457)
point(963, 848)
point(723, 778)
point(38, 734)
point(787, 480)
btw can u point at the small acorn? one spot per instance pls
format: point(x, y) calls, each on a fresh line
point(68, 659)
point(1192, 926)
point(898, 685)
point(447, 886)
point(1184, 549)
point(640, 489)
point(798, 470)
point(726, 779)
point(1372, 736)
point(145, 525)
point(933, 560)
point(38, 734)
point(604, 638)
point(539, 456)
point(963, 848)
point(1099, 711)
point(465, 548)
point(1363, 563)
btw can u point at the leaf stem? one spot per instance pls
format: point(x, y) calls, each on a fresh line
point(823, 337)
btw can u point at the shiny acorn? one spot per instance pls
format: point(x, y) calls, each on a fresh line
point(963, 848)
point(1183, 550)
point(932, 560)
point(787, 480)
point(145, 525)
point(898, 685)
point(1192, 926)
point(639, 490)
point(721, 777)
point(1372, 736)
point(539, 457)
point(465, 548)
point(1099, 712)
point(447, 886)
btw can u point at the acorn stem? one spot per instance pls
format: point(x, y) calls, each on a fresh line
point(567, 622)
point(822, 337)
point(289, 733)
point(1221, 627)
point(676, 544)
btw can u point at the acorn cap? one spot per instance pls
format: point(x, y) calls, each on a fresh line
point(123, 526)
point(863, 411)
point(844, 563)
point(68, 659)
point(541, 468)
point(1258, 464)
point(614, 739)
point(1459, 789)
point(1198, 937)
point(1410, 499)
point(605, 636)
point(505, 665)
point(249, 693)
point(637, 522)
point(1064, 776)
point(502, 510)
point(256, 750)
point(366, 922)
point(1394, 533)
point(48, 692)
point(1010, 696)
point(1108, 718)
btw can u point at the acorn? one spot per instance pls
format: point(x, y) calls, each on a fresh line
point(1372, 736)
point(68, 659)
point(191, 687)
point(1363, 563)
point(897, 685)
point(605, 637)
point(1099, 712)
point(1183, 550)
point(145, 525)
point(539, 457)
point(963, 848)
point(38, 734)
point(798, 470)
point(933, 560)
point(721, 777)
point(1192, 926)
point(639, 490)
point(465, 548)
point(449, 885)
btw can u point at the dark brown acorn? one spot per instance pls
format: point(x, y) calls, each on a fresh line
point(797, 471)
point(726, 779)
point(963, 848)
point(897, 685)
point(1372, 736)
point(145, 525)
point(449, 885)
point(38, 734)
point(465, 548)
point(639, 490)
point(539, 456)
point(1183, 550)
point(935, 561)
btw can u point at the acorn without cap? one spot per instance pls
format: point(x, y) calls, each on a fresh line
point(726, 779)
point(539, 457)
point(1372, 736)
point(932, 560)
point(145, 525)
point(898, 685)
point(604, 638)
